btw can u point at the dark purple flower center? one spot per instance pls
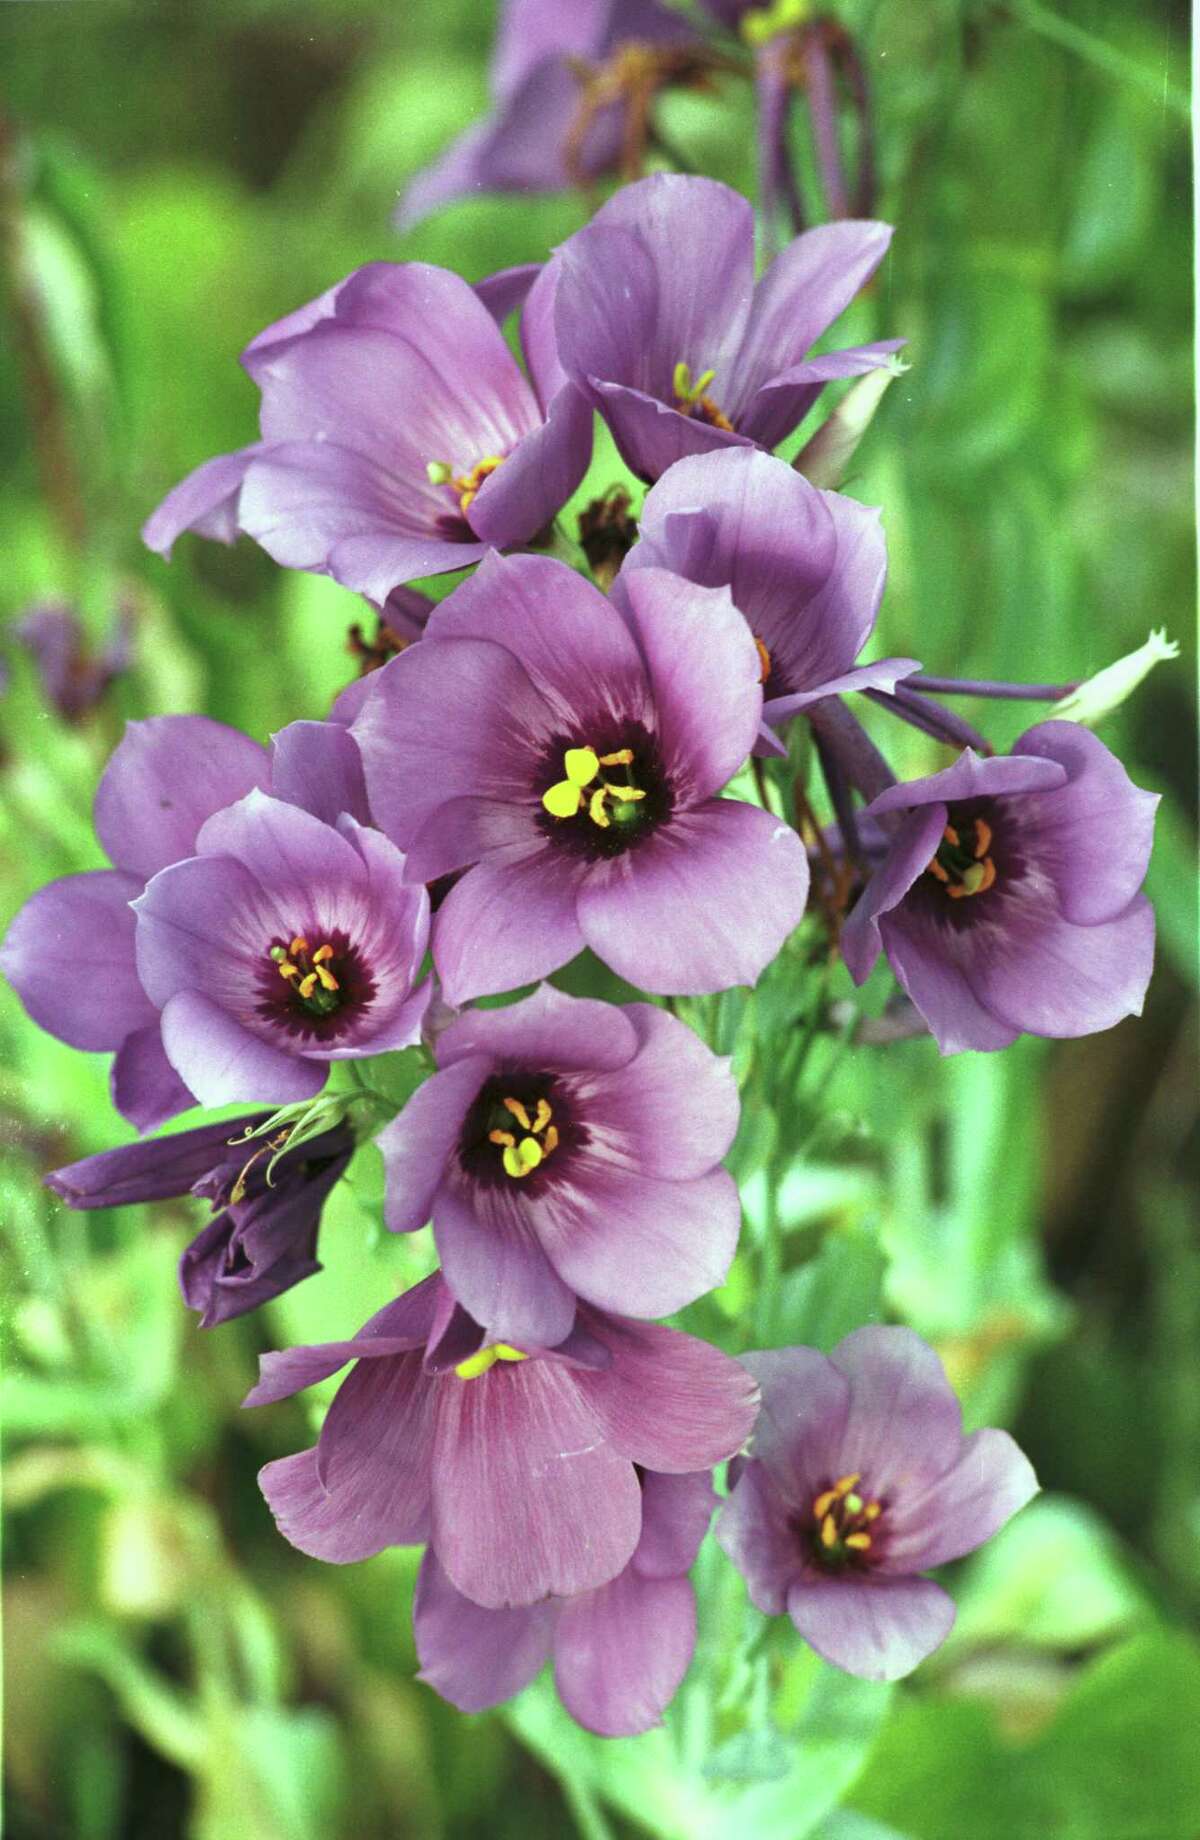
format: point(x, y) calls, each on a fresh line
point(842, 1529)
point(962, 862)
point(314, 991)
point(521, 1128)
point(601, 798)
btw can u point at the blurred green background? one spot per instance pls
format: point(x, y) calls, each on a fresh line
point(174, 178)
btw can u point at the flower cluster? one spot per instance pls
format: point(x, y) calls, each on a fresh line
point(534, 767)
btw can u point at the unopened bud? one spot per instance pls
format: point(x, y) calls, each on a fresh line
point(825, 459)
point(1096, 698)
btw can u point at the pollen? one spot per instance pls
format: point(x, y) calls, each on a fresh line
point(308, 973)
point(962, 863)
point(582, 767)
point(521, 1154)
point(486, 1358)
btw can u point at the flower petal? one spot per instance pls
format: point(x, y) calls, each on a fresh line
point(496, 1267)
point(904, 1425)
point(676, 1511)
point(877, 1628)
point(1042, 974)
point(206, 502)
point(801, 1424)
point(317, 766)
point(972, 777)
point(911, 846)
point(69, 956)
point(930, 965)
point(621, 1652)
point(476, 1658)
point(522, 497)
point(783, 402)
point(704, 904)
point(668, 1401)
point(991, 1480)
point(670, 1110)
point(417, 1145)
point(508, 922)
point(529, 1499)
point(166, 776)
point(145, 1087)
point(754, 1532)
point(222, 1062)
point(551, 1030)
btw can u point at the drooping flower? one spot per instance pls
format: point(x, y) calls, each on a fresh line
point(282, 944)
point(399, 435)
point(569, 760)
point(660, 323)
point(1009, 899)
point(620, 1650)
point(805, 568)
point(73, 675)
point(568, 1147)
point(69, 953)
point(517, 1465)
point(550, 125)
point(860, 1479)
point(266, 1204)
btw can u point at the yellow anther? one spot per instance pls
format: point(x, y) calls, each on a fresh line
point(935, 868)
point(542, 1117)
point(298, 945)
point(523, 1158)
point(503, 1352)
point(983, 837)
point(845, 1483)
point(501, 1137)
point(950, 834)
point(550, 1141)
point(321, 954)
point(519, 1113)
point(872, 1511)
point(596, 811)
point(563, 799)
point(681, 380)
point(861, 1542)
point(485, 1358)
point(288, 970)
point(823, 1503)
point(581, 765)
point(307, 985)
point(622, 758)
point(624, 793)
point(764, 659)
point(829, 1531)
point(328, 981)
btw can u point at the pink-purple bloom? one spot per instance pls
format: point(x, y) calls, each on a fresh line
point(69, 953)
point(1009, 899)
point(805, 568)
point(536, 131)
point(661, 324)
point(282, 944)
point(266, 1203)
point(570, 760)
point(399, 436)
point(517, 1465)
point(569, 1148)
point(859, 1479)
point(620, 1650)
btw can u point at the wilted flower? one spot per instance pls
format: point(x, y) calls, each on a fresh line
point(516, 1464)
point(859, 1479)
point(69, 953)
point(620, 1651)
point(266, 1202)
point(549, 128)
point(282, 944)
point(660, 322)
point(805, 568)
point(570, 760)
point(569, 1147)
point(1009, 900)
point(399, 435)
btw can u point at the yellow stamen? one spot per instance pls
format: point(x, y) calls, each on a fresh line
point(829, 1531)
point(764, 659)
point(622, 758)
point(623, 792)
point(872, 1511)
point(486, 1358)
point(519, 1113)
point(328, 981)
point(288, 970)
point(950, 834)
point(935, 868)
point(308, 984)
point(504, 1352)
point(563, 799)
point(542, 1117)
point(550, 1141)
point(989, 875)
point(861, 1542)
point(823, 1503)
point(581, 765)
point(523, 1158)
point(845, 1483)
point(983, 837)
point(596, 811)
point(298, 945)
point(321, 954)
point(501, 1137)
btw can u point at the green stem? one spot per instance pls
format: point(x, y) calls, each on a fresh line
point(1101, 55)
point(589, 1818)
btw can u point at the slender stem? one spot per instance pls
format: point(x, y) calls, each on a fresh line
point(1099, 53)
point(586, 1810)
point(931, 719)
point(844, 736)
point(983, 686)
point(822, 108)
point(841, 798)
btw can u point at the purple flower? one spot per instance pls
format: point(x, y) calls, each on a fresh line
point(516, 1464)
point(620, 1650)
point(570, 759)
point(538, 137)
point(69, 953)
point(399, 436)
point(283, 944)
point(1009, 900)
point(859, 1479)
point(568, 1147)
point(73, 678)
point(262, 1238)
point(805, 568)
point(660, 322)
